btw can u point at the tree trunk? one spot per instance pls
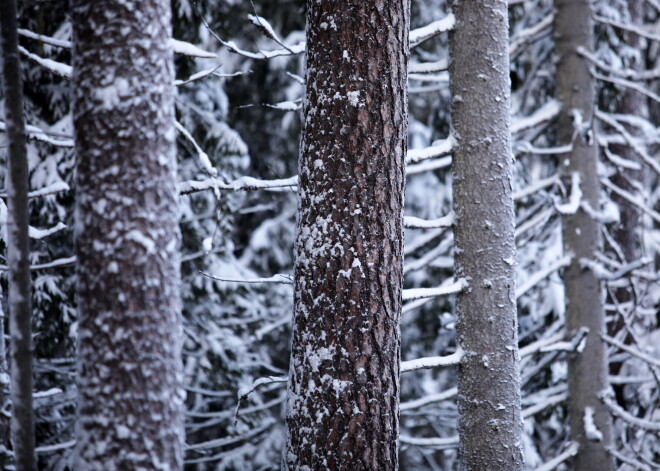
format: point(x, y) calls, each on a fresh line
point(127, 238)
point(489, 423)
point(344, 376)
point(18, 247)
point(587, 371)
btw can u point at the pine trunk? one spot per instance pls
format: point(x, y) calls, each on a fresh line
point(344, 376)
point(18, 246)
point(127, 238)
point(489, 423)
point(587, 371)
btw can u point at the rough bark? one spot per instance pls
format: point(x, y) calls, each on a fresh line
point(587, 371)
point(127, 238)
point(344, 378)
point(489, 423)
point(18, 246)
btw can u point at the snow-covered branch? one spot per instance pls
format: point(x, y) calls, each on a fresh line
point(58, 68)
point(549, 401)
point(432, 362)
point(559, 459)
point(60, 262)
point(38, 134)
point(604, 274)
point(427, 67)
point(618, 411)
point(278, 278)
point(411, 222)
point(544, 114)
point(630, 461)
point(45, 191)
point(438, 149)
point(433, 442)
point(540, 275)
point(524, 36)
point(42, 450)
point(575, 199)
point(627, 84)
point(442, 290)
point(419, 35)
point(637, 29)
point(240, 184)
point(631, 198)
point(535, 187)
point(633, 351)
point(428, 399)
point(203, 156)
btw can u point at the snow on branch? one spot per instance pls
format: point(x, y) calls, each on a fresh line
point(524, 36)
point(278, 278)
point(37, 134)
point(432, 362)
point(428, 165)
point(576, 344)
point(540, 275)
point(544, 114)
point(428, 67)
point(637, 29)
point(58, 68)
point(218, 442)
point(45, 191)
point(42, 450)
point(419, 35)
point(429, 399)
point(535, 187)
point(575, 199)
point(618, 411)
point(438, 149)
point(604, 274)
point(630, 74)
point(37, 234)
point(442, 290)
point(631, 198)
point(527, 148)
point(559, 459)
point(205, 73)
point(44, 39)
point(434, 442)
point(411, 222)
point(187, 49)
point(546, 403)
point(60, 262)
point(240, 184)
point(633, 351)
point(632, 462)
point(203, 156)
point(627, 84)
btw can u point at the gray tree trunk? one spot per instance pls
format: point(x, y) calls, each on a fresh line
point(489, 423)
point(587, 371)
point(127, 238)
point(18, 246)
point(344, 377)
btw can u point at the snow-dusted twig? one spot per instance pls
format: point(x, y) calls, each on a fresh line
point(218, 442)
point(203, 156)
point(540, 275)
point(240, 184)
point(428, 165)
point(419, 35)
point(433, 442)
point(438, 149)
point(633, 351)
point(45, 191)
point(627, 417)
point(630, 461)
point(535, 187)
point(527, 148)
point(411, 222)
point(540, 344)
point(432, 362)
point(522, 37)
point(604, 274)
point(560, 458)
point(631, 198)
point(205, 73)
point(540, 218)
point(42, 450)
point(637, 29)
point(544, 114)
point(187, 49)
point(58, 68)
point(629, 74)
point(429, 399)
point(627, 84)
point(36, 234)
point(442, 290)
point(278, 278)
point(45, 39)
point(60, 262)
point(36, 134)
point(428, 67)
point(576, 344)
point(546, 403)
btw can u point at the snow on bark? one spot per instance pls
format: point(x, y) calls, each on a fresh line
point(18, 247)
point(343, 394)
point(127, 238)
point(490, 423)
point(587, 371)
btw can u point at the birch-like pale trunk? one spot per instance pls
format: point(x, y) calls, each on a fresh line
point(127, 238)
point(489, 424)
point(587, 371)
point(343, 393)
point(18, 246)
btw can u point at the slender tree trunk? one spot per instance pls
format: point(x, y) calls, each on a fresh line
point(344, 378)
point(489, 423)
point(587, 371)
point(127, 238)
point(627, 233)
point(6, 452)
point(18, 246)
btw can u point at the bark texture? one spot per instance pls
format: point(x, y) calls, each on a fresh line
point(344, 376)
point(18, 246)
point(127, 238)
point(489, 423)
point(587, 371)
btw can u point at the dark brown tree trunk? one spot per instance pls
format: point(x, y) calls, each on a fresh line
point(127, 238)
point(344, 377)
point(587, 371)
point(18, 246)
point(490, 424)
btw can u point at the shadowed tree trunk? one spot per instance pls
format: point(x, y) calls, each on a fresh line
point(18, 246)
point(344, 378)
point(127, 238)
point(587, 371)
point(489, 424)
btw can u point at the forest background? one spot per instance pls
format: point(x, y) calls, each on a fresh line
point(238, 111)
